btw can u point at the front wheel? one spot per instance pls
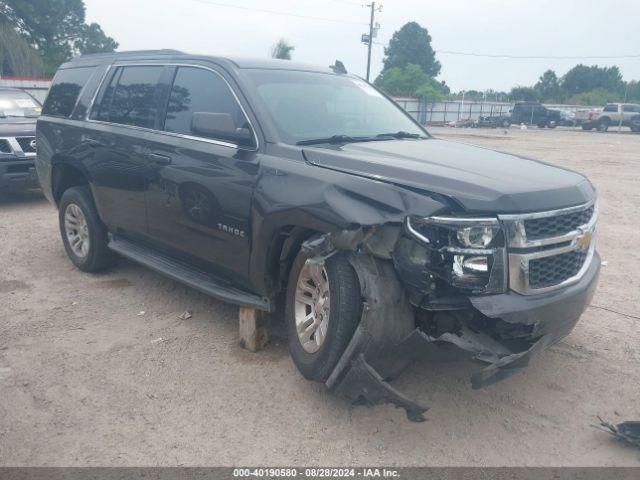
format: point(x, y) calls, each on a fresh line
point(603, 125)
point(83, 233)
point(323, 309)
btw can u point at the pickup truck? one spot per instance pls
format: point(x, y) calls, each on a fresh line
point(627, 114)
point(534, 113)
point(18, 114)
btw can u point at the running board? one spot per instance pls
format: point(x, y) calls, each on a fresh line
point(186, 274)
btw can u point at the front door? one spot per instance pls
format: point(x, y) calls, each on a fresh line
point(201, 185)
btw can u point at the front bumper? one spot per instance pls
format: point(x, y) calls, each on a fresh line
point(374, 356)
point(18, 174)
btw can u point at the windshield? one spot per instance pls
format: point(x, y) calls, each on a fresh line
point(18, 104)
point(306, 106)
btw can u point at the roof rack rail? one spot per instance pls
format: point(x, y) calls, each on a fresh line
point(128, 53)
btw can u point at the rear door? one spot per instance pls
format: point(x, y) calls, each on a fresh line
point(124, 116)
point(200, 186)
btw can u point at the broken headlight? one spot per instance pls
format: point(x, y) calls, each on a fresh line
point(467, 253)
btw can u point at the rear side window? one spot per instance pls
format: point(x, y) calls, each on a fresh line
point(630, 108)
point(63, 95)
point(131, 97)
point(199, 90)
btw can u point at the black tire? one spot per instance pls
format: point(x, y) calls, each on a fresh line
point(603, 124)
point(587, 128)
point(98, 256)
point(345, 312)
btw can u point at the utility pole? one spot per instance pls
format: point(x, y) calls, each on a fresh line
point(373, 10)
point(368, 39)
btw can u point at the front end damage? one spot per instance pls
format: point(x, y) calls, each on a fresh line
point(414, 311)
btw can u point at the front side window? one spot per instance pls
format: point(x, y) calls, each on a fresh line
point(64, 92)
point(308, 105)
point(610, 108)
point(130, 98)
point(198, 93)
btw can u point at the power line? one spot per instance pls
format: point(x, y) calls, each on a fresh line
point(541, 57)
point(348, 2)
point(275, 12)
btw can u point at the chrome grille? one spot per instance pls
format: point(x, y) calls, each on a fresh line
point(549, 250)
point(549, 271)
point(25, 144)
point(4, 146)
point(557, 225)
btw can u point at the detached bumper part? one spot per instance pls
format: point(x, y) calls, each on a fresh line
point(386, 340)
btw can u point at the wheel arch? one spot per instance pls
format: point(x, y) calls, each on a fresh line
point(65, 176)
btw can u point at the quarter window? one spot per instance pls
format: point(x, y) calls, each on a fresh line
point(196, 90)
point(65, 90)
point(131, 97)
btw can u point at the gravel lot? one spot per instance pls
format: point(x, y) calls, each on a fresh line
point(99, 369)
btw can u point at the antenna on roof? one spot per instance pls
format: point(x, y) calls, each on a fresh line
point(338, 67)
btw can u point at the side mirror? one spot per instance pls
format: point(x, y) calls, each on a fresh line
point(220, 126)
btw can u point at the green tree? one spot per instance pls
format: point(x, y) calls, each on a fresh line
point(411, 45)
point(596, 97)
point(524, 94)
point(411, 81)
point(282, 49)
point(55, 28)
point(582, 78)
point(633, 91)
point(548, 87)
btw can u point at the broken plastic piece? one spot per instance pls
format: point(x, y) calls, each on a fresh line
point(626, 431)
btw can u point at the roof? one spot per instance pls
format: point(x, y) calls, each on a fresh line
point(175, 55)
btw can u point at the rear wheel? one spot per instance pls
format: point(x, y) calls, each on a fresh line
point(323, 308)
point(587, 127)
point(83, 233)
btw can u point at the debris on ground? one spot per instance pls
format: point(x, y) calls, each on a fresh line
point(141, 313)
point(186, 315)
point(158, 340)
point(626, 431)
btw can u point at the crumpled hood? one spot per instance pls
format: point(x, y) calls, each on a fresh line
point(17, 127)
point(479, 179)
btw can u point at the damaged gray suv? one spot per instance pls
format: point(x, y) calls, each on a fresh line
point(258, 180)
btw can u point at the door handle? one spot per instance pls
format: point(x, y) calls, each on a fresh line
point(159, 159)
point(92, 142)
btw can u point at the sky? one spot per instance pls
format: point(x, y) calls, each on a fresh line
point(541, 28)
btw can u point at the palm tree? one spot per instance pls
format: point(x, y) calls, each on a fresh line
point(282, 50)
point(17, 57)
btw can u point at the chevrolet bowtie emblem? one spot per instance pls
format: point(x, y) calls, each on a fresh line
point(584, 241)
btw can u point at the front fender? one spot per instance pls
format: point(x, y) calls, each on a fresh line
point(292, 193)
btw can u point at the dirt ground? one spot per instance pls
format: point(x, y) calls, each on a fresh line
point(99, 369)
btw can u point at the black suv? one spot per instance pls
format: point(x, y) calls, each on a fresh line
point(257, 180)
point(534, 113)
point(18, 114)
